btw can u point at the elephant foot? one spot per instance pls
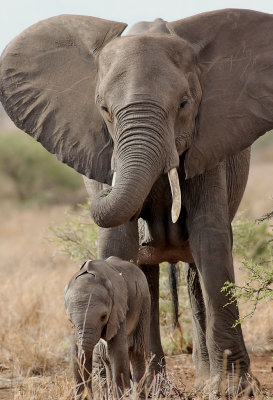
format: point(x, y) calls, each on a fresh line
point(202, 378)
point(157, 376)
point(162, 387)
point(232, 385)
point(157, 366)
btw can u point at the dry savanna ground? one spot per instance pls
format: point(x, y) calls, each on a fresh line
point(34, 331)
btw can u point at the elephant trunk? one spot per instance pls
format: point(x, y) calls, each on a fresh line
point(83, 362)
point(83, 374)
point(142, 154)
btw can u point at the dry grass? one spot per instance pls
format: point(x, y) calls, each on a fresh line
point(34, 330)
point(54, 387)
point(60, 387)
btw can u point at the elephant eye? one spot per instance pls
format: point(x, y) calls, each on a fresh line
point(107, 113)
point(105, 109)
point(183, 103)
point(103, 317)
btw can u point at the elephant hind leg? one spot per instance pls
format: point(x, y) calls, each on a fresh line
point(200, 351)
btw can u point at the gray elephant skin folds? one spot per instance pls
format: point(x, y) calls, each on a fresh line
point(109, 299)
point(162, 120)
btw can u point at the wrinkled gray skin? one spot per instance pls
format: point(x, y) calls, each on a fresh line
point(110, 300)
point(192, 94)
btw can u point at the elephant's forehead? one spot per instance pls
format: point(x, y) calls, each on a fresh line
point(147, 47)
point(87, 288)
point(88, 298)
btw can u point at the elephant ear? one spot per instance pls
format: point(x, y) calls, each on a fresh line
point(120, 300)
point(48, 80)
point(235, 52)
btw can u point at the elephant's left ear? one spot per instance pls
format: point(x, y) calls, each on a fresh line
point(120, 302)
point(235, 53)
point(48, 80)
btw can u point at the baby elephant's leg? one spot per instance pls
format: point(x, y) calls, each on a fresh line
point(140, 351)
point(101, 367)
point(117, 351)
point(137, 357)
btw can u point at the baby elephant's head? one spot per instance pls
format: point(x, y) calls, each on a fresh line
point(96, 303)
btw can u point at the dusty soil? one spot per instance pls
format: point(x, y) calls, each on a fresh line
point(181, 374)
point(181, 370)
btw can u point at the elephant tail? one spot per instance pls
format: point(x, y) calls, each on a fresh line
point(174, 274)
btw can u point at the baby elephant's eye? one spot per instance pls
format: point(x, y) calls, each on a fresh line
point(183, 103)
point(103, 317)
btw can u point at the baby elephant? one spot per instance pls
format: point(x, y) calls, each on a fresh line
point(109, 299)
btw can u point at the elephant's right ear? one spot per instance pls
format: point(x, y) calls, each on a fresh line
point(48, 80)
point(234, 51)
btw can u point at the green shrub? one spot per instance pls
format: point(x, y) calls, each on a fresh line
point(254, 241)
point(77, 235)
point(251, 240)
point(257, 287)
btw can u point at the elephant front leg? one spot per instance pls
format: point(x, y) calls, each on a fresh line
point(200, 352)
point(158, 364)
point(212, 253)
point(210, 239)
point(101, 369)
point(121, 241)
point(118, 354)
point(139, 352)
point(138, 361)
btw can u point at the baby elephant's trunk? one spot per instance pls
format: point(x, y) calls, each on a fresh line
point(83, 371)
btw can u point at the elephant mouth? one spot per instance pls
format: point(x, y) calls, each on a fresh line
point(103, 332)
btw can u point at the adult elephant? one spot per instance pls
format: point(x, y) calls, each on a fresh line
point(183, 99)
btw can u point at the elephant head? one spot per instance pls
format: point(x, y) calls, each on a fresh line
point(96, 303)
point(134, 104)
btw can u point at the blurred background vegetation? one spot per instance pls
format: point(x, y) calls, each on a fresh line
point(29, 174)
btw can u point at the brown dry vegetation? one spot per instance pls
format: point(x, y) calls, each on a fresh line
point(34, 331)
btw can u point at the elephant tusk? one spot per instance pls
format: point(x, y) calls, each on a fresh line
point(114, 179)
point(176, 194)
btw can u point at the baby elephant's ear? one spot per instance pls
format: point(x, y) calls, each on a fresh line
point(120, 307)
point(86, 268)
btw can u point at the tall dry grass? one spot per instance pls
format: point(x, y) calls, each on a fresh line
point(34, 330)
